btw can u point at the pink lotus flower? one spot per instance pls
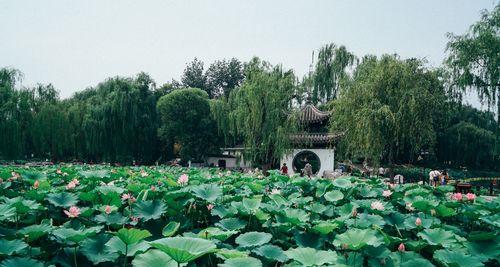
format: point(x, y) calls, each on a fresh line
point(183, 179)
point(73, 212)
point(377, 205)
point(107, 209)
point(134, 219)
point(210, 207)
point(401, 247)
point(144, 173)
point(75, 181)
point(392, 186)
point(457, 196)
point(153, 188)
point(70, 185)
point(470, 196)
point(126, 196)
point(59, 171)
point(418, 222)
point(36, 184)
point(387, 193)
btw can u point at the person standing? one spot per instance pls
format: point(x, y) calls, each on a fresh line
point(284, 169)
point(308, 170)
point(434, 177)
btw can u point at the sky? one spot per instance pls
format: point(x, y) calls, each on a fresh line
point(77, 44)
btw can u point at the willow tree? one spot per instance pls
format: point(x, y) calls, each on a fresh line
point(260, 112)
point(331, 67)
point(474, 58)
point(389, 110)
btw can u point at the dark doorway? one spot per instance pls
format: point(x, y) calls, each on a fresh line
point(222, 164)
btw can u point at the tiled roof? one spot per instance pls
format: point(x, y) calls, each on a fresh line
point(314, 138)
point(311, 114)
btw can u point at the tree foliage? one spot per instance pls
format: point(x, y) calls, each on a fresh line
point(259, 112)
point(474, 58)
point(388, 109)
point(185, 120)
point(331, 67)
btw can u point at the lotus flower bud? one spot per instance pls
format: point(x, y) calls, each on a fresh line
point(418, 222)
point(401, 247)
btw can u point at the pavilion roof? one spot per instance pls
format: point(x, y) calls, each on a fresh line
point(310, 114)
point(315, 138)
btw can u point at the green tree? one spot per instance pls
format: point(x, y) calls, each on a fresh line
point(474, 58)
point(389, 109)
point(331, 67)
point(195, 77)
point(223, 76)
point(185, 120)
point(259, 112)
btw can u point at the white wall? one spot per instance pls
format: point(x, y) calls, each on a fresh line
point(230, 162)
point(326, 156)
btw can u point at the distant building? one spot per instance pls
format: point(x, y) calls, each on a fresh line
point(314, 144)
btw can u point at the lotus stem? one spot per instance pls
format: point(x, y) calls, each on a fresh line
point(74, 257)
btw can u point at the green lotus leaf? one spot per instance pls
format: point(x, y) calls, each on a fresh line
point(309, 239)
point(481, 236)
point(7, 212)
point(95, 174)
point(357, 239)
point(224, 212)
point(111, 219)
point(444, 211)
point(34, 175)
point(96, 251)
point(456, 258)
point(271, 252)
point(153, 258)
point(334, 196)
point(311, 256)
point(170, 229)
point(231, 253)
point(251, 204)
point(21, 262)
point(34, 232)
point(326, 227)
point(217, 233)
point(132, 235)
point(296, 216)
point(493, 220)
point(438, 237)
point(278, 199)
point(184, 249)
point(242, 262)
point(9, 247)
point(408, 259)
point(253, 239)
point(317, 208)
point(22, 205)
point(485, 250)
point(149, 209)
point(365, 220)
point(343, 183)
point(62, 199)
point(108, 189)
point(75, 236)
point(116, 245)
point(231, 224)
point(208, 192)
point(424, 205)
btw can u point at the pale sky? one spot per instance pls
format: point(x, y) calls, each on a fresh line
point(77, 44)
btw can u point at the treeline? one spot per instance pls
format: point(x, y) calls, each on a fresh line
point(391, 110)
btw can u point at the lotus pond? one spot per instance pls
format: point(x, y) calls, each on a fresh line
point(159, 216)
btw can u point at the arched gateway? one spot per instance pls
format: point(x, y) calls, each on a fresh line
point(314, 144)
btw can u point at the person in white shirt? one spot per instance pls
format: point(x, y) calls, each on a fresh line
point(399, 179)
point(434, 177)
